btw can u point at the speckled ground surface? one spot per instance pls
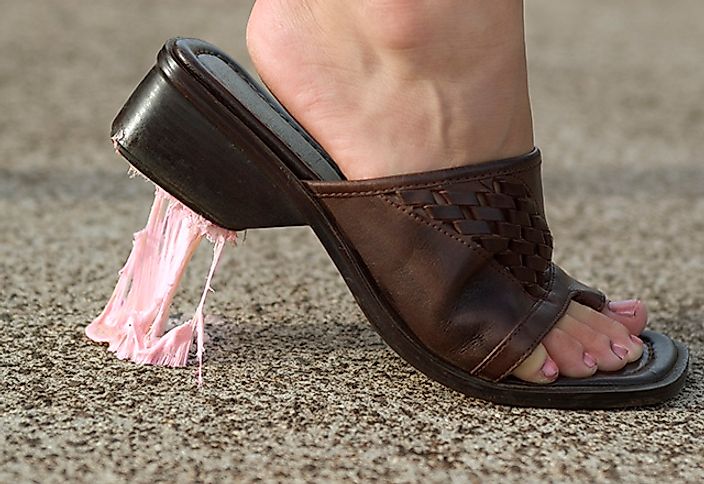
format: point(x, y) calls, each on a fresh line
point(298, 386)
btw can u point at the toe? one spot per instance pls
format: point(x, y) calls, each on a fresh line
point(585, 341)
point(633, 314)
point(569, 354)
point(610, 334)
point(538, 367)
point(636, 350)
point(597, 344)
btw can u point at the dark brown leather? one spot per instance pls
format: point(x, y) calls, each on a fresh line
point(464, 255)
point(454, 257)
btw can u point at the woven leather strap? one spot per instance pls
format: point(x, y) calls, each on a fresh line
point(499, 215)
point(463, 256)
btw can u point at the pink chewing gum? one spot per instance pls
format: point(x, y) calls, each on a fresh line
point(134, 319)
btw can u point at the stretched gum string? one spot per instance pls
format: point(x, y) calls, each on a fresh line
point(134, 319)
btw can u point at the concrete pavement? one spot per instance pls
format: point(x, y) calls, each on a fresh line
point(298, 385)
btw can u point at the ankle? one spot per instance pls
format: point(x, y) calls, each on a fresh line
point(471, 55)
point(399, 86)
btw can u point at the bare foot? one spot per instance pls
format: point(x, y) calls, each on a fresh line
point(400, 86)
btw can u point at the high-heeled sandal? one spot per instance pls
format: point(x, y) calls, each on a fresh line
point(452, 267)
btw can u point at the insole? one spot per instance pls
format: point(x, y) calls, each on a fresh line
point(272, 114)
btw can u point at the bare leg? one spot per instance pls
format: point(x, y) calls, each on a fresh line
point(402, 86)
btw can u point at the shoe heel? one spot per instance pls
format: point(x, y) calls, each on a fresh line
point(229, 179)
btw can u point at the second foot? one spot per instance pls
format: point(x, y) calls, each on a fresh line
point(585, 341)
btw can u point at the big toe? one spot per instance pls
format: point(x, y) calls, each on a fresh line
point(632, 313)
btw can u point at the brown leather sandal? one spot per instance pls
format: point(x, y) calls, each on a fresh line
point(452, 267)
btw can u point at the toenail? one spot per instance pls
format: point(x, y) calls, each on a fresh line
point(589, 360)
point(550, 369)
point(624, 308)
point(636, 339)
point(620, 351)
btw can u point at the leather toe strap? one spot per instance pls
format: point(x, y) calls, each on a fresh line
point(463, 256)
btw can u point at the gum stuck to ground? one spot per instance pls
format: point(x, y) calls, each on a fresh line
point(134, 320)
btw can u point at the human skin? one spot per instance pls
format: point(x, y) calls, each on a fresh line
point(401, 86)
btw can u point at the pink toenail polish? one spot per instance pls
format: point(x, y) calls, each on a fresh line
point(589, 360)
point(636, 339)
point(550, 369)
point(620, 351)
point(624, 308)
